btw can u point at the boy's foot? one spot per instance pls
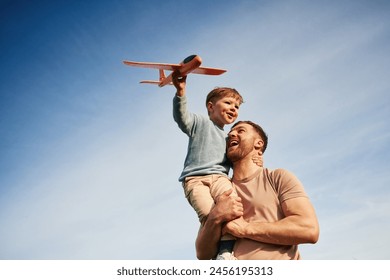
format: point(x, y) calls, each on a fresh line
point(225, 256)
point(225, 251)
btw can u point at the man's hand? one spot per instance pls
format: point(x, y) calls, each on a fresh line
point(236, 227)
point(227, 207)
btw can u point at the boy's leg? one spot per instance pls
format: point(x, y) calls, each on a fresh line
point(221, 184)
point(197, 192)
point(201, 192)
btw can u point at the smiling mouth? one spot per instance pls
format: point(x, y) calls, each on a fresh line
point(233, 143)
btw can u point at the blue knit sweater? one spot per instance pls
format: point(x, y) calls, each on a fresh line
point(206, 153)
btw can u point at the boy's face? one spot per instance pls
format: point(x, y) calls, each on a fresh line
point(224, 111)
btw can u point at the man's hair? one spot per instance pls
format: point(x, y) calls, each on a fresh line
point(259, 131)
point(220, 92)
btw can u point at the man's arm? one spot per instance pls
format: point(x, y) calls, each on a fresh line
point(227, 208)
point(299, 226)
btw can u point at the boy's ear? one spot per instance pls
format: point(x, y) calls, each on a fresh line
point(210, 106)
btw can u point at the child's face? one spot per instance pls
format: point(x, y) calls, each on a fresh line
point(224, 111)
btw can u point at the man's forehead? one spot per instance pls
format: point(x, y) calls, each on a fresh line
point(240, 126)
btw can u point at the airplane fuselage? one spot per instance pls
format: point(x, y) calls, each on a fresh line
point(188, 65)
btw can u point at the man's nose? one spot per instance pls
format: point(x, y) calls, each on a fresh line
point(232, 133)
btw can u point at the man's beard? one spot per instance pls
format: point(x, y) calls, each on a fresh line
point(237, 153)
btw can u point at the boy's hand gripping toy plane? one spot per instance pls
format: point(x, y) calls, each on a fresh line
point(189, 65)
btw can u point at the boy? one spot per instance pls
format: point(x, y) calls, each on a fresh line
point(206, 168)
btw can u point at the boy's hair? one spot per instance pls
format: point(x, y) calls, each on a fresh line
point(220, 92)
point(259, 131)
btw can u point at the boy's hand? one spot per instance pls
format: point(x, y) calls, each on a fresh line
point(179, 83)
point(258, 159)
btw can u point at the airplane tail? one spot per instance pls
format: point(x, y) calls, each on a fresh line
point(161, 82)
point(149, 82)
point(162, 75)
point(164, 80)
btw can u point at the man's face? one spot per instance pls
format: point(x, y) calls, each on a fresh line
point(241, 141)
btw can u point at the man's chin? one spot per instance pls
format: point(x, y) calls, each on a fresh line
point(231, 155)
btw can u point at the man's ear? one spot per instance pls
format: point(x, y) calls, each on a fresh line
point(259, 144)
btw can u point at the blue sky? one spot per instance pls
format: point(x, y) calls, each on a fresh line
point(89, 158)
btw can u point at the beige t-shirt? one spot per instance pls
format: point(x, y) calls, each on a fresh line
point(262, 195)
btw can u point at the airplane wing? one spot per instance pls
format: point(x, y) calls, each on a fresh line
point(163, 66)
point(173, 67)
point(208, 71)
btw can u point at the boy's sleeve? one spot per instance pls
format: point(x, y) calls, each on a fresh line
point(182, 116)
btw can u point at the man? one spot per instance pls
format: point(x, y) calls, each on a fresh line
point(277, 214)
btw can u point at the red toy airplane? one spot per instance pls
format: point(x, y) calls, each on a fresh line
point(190, 64)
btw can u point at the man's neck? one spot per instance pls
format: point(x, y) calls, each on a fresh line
point(244, 168)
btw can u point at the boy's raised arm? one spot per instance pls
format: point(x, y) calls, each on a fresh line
point(179, 83)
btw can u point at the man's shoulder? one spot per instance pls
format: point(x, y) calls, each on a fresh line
point(278, 172)
point(280, 175)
